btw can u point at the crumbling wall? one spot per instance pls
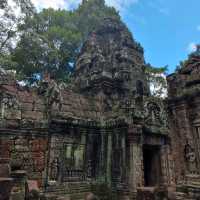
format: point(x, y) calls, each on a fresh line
point(25, 153)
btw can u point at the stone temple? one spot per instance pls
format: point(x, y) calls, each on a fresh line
point(103, 134)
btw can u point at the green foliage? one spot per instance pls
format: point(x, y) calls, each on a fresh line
point(181, 65)
point(6, 62)
point(12, 15)
point(90, 13)
point(157, 80)
point(49, 43)
point(51, 40)
point(156, 70)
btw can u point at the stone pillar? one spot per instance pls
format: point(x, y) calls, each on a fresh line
point(84, 142)
point(83, 136)
point(166, 166)
point(88, 156)
point(102, 157)
point(124, 167)
point(135, 173)
point(109, 159)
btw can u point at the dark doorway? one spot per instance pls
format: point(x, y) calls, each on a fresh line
point(152, 165)
point(139, 87)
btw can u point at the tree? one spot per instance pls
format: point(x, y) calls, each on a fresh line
point(49, 43)
point(12, 13)
point(51, 39)
point(157, 80)
point(90, 13)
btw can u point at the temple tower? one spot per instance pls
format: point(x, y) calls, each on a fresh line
point(111, 61)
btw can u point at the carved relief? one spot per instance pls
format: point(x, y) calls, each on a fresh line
point(10, 107)
point(190, 158)
point(153, 112)
point(54, 169)
point(52, 93)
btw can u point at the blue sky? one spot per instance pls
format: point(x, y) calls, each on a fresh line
point(167, 29)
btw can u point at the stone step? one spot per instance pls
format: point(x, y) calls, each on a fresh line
point(69, 187)
point(78, 196)
point(68, 192)
point(76, 191)
point(74, 196)
point(180, 196)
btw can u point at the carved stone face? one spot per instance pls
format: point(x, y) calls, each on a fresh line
point(189, 153)
point(191, 157)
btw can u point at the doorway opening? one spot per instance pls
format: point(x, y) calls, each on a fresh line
point(152, 165)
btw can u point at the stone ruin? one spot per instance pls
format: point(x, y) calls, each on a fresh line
point(184, 125)
point(104, 134)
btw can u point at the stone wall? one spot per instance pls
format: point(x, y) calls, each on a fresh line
point(26, 152)
point(184, 118)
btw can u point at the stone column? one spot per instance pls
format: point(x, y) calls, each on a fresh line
point(83, 136)
point(102, 157)
point(136, 173)
point(109, 159)
point(83, 142)
point(166, 166)
point(198, 146)
point(88, 158)
point(124, 167)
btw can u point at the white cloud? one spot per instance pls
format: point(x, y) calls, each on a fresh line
point(120, 5)
point(192, 47)
point(56, 4)
point(39, 4)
